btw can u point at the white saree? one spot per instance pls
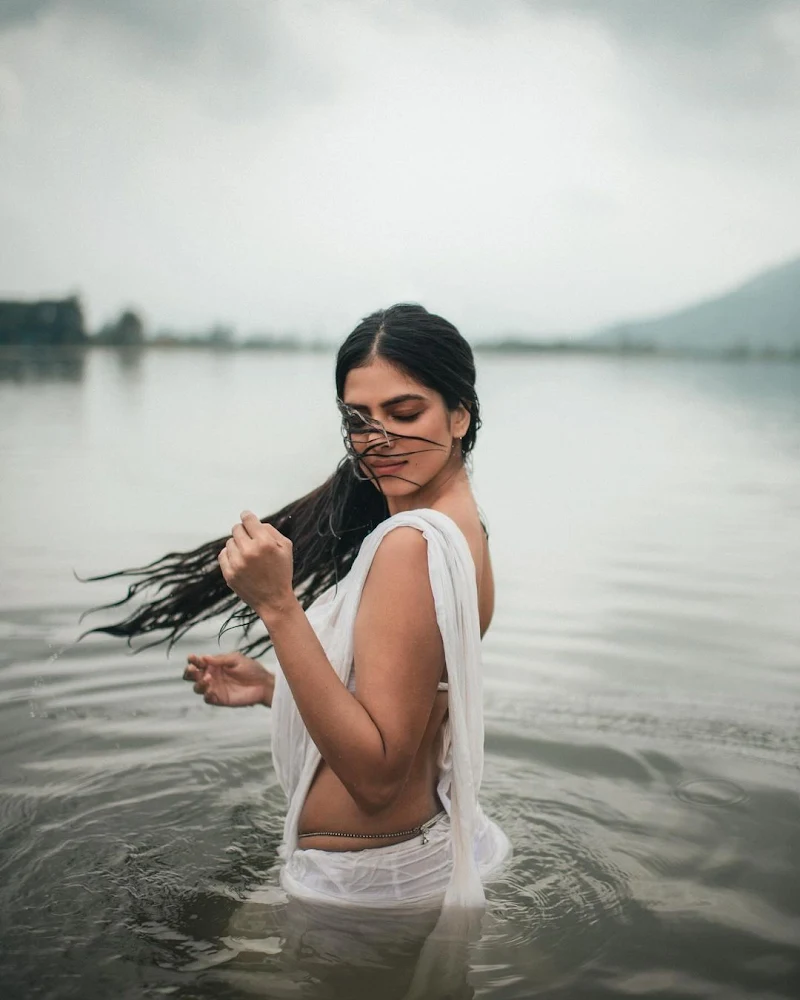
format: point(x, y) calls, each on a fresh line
point(463, 846)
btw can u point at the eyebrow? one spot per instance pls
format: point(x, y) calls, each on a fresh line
point(405, 398)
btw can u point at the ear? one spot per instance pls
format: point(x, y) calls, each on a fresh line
point(460, 419)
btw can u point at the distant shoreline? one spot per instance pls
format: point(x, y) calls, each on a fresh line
point(582, 348)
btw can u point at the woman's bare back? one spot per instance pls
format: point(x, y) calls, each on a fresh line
point(329, 806)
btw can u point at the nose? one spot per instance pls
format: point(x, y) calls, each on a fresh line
point(375, 442)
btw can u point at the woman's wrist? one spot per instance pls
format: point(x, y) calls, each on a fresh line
point(274, 615)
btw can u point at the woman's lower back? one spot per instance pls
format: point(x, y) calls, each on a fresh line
point(330, 807)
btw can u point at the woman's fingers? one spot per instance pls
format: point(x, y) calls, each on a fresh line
point(225, 660)
point(240, 537)
point(224, 563)
point(204, 687)
point(194, 667)
point(255, 528)
point(251, 525)
point(221, 660)
point(198, 667)
point(275, 536)
point(196, 671)
point(202, 678)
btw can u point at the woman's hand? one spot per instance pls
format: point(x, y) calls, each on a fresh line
point(257, 565)
point(231, 679)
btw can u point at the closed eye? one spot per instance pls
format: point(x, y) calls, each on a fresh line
point(406, 419)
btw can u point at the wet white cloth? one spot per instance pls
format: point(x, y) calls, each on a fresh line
point(468, 846)
point(415, 872)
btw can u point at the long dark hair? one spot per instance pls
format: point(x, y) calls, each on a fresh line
point(327, 525)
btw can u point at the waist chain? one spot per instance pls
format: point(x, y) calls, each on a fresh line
point(379, 836)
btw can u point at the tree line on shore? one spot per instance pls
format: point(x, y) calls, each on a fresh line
point(59, 323)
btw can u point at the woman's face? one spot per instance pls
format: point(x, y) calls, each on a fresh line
point(417, 440)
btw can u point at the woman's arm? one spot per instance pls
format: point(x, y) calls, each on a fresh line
point(369, 739)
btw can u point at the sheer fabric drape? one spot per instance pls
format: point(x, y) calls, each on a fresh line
point(467, 846)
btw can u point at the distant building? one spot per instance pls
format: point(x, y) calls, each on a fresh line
point(47, 323)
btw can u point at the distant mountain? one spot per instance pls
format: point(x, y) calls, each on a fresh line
point(761, 315)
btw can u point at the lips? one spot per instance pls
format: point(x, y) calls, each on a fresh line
point(386, 464)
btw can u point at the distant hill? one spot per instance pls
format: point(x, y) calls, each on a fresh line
point(761, 315)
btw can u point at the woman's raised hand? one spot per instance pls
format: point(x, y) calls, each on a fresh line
point(257, 565)
point(231, 679)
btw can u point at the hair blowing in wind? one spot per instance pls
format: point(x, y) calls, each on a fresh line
point(169, 596)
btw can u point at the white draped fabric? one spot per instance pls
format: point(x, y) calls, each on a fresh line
point(475, 845)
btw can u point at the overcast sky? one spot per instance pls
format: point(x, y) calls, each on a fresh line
point(536, 166)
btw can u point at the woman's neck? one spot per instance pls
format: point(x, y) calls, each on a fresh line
point(451, 482)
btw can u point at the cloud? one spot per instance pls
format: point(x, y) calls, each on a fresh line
point(736, 55)
point(739, 54)
point(237, 56)
point(701, 23)
point(177, 27)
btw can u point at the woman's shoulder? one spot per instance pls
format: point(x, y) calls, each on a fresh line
point(403, 539)
point(408, 534)
point(419, 518)
point(401, 554)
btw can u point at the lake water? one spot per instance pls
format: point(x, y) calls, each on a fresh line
point(642, 686)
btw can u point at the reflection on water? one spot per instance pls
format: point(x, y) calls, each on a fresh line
point(642, 690)
point(64, 363)
point(336, 952)
point(35, 364)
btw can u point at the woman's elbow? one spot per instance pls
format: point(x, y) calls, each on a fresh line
point(378, 794)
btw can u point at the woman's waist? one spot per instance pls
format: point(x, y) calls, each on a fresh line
point(331, 820)
point(339, 842)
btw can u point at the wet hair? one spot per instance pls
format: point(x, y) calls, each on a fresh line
point(326, 526)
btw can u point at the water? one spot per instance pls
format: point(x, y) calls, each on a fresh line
point(642, 687)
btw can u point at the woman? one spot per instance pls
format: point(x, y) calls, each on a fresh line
point(378, 731)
